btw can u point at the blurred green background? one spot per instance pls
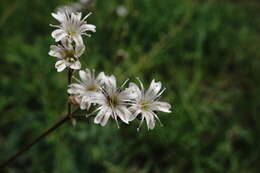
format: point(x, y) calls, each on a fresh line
point(206, 53)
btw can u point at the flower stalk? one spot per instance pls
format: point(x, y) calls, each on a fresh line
point(38, 139)
point(70, 73)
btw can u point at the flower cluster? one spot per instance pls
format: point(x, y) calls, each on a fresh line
point(101, 91)
point(69, 37)
point(119, 103)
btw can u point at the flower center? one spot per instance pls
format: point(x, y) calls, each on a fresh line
point(71, 28)
point(113, 101)
point(144, 105)
point(71, 59)
point(92, 88)
point(71, 32)
point(70, 56)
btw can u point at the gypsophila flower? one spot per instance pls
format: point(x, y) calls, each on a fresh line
point(112, 102)
point(85, 1)
point(70, 8)
point(121, 11)
point(71, 26)
point(68, 55)
point(146, 102)
point(74, 7)
point(87, 86)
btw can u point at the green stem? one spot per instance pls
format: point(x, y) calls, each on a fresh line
point(70, 72)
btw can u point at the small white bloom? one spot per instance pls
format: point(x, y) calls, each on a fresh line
point(146, 102)
point(67, 54)
point(87, 87)
point(85, 1)
point(70, 8)
point(71, 26)
point(121, 11)
point(112, 102)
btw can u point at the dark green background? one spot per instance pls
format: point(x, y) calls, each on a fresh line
point(206, 53)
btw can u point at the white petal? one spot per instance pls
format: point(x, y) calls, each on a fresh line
point(78, 39)
point(153, 90)
point(88, 27)
point(124, 96)
point(79, 50)
point(84, 1)
point(136, 112)
point(76, 16)
point(98, 118)
point(85, 102)
point(161, 106)
point(83, 105)
point(58, 34)
point(155, 86)
point(60, 16)
point(102, 116)
point(111, 82)
point(85, 75)
point(134, 91)
point(105, 118)
point(98, 98)
point(150, 121)
point(56, 51)
point(101, 78)
point(76, 89)
point(123, 113)
point(67, 44)
point(76, 65)
point(60, 65)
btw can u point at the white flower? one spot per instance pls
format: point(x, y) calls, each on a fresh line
point(71, 26)
point(85, 1)
point(121, 11)
point(146, 102)
point(112, 102)
point(67, 54)
point(70, 8)
point(86, 87)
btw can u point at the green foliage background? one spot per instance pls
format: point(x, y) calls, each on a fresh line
point(206, 53)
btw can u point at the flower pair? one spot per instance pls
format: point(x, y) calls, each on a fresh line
point(118, 102)
point(69, 37)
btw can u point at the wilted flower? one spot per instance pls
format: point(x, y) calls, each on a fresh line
point(146, 102)
point(71, 26)
point(87, 86)
point(67, 54)
point(112, 102)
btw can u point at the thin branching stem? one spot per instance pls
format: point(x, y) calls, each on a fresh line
point(70, 73)
point(38, 139)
